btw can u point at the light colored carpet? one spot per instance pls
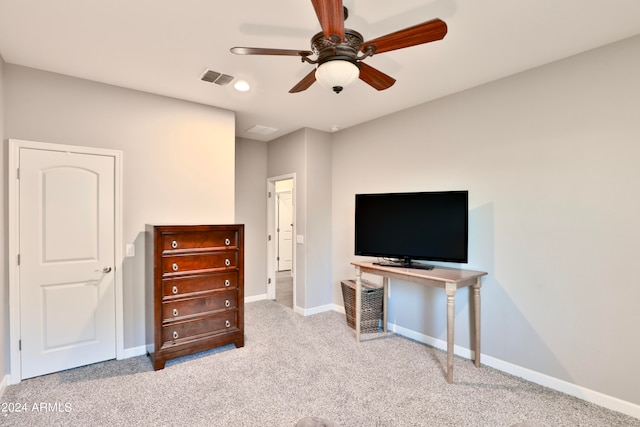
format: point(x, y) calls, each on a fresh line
point(292, 368)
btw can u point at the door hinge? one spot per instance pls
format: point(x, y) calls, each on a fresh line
point(268, 194)
point(18, 173)
point(269, 281)
point(269, 237)
point(19, 345)
point(18, 259)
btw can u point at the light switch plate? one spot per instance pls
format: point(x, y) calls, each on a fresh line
point(299, 239)
point(130, 250)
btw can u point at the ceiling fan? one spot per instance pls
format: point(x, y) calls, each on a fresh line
point(336, 49)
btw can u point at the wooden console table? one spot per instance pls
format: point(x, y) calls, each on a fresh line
point(448, 279)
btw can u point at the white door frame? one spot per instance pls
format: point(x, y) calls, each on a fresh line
point(15, 145)
point(271, 232)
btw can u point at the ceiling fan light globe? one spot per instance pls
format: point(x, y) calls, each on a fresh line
point(337, 74)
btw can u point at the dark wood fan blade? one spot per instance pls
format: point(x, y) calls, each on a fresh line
point(267, 51)
point(375, 78)
point(304, 84)
point(418, 34)
point(331, 16)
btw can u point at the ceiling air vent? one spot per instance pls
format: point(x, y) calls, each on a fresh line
point(261, 130)
point(216, 77)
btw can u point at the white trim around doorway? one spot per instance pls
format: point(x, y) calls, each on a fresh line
point(271, 250)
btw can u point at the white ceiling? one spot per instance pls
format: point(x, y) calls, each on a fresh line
point(164, 46)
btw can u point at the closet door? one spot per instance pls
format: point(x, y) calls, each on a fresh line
point(67, 235)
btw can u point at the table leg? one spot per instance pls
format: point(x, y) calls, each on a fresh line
point(476, 320)
point(358, 291)
point(385, 302)
point(451, 289)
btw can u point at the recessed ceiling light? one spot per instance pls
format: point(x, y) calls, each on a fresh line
point(241, 86)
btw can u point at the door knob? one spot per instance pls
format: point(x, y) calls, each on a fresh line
point(105, 270)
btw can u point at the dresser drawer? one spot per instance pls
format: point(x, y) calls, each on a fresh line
point(190, 263)
point(182, 286)
point(213, 239)
point(185, 331)
point(181, 309)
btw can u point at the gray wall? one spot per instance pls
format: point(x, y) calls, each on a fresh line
point(287, 155)
point(307, 153)
point(318, 237)
point(251, 210)
point(4, 274)
point(178, 157)
point(550, 158)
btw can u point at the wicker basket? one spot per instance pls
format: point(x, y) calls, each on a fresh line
point(371, 307)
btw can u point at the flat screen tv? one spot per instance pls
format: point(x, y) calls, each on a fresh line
point(403, 227)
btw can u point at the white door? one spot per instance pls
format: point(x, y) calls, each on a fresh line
point(66, 270)
point(285, 231)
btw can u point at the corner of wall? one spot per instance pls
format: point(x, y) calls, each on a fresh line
point(4, 281)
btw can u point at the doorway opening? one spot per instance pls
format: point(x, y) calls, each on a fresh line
point(281, 248)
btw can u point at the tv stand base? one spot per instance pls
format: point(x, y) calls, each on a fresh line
point(401, 264)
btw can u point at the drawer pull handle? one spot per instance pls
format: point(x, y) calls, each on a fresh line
point(227, 283)
point(227, 323)
point(175, 312)
point(227, 303)
point(227, 262)
point(227, 242)
point(174, 244)
point(175, 267)
point(175, 335)
point(174, 290)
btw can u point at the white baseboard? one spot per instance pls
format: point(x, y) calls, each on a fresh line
point(339, 308)
point(134, 352)
point(566, 387)
point(299, 310)
point(3, 384)
point(302, 311)
point(313, 310)
point(255, 298)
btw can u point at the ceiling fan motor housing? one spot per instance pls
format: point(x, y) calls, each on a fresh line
point(327, 50)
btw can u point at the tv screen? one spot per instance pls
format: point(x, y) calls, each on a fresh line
point(430, 226)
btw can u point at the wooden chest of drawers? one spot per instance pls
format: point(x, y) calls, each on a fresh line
point(194, 289)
